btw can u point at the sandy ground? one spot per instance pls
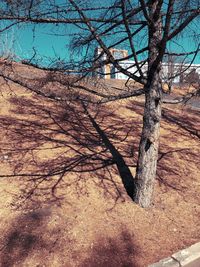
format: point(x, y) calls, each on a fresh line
point(90, 220)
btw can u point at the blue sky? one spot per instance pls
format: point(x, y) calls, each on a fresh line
point(44, 40)
point(48, 43)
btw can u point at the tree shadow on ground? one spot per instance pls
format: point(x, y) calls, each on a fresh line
point(52, 144)
point(189, 124)
point(24, 236)
point(29, 241)
point(48, 140)
point(110, 252)
point(176, 152)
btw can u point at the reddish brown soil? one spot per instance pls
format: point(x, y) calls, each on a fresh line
point(95, 223)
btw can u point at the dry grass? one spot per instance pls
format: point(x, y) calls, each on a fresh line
point(90, 220)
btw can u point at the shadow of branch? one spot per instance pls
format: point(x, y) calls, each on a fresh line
point(47, 141)
point(23, 237)
point(110, 252)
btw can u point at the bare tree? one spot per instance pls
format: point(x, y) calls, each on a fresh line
point(145, 27)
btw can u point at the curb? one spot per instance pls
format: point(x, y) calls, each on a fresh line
point(189, 257)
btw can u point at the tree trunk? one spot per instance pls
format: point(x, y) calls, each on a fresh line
point(149, 142)
point(148, 148)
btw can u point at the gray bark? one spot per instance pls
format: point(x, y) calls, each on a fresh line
point(148, 149)
point(149, 142)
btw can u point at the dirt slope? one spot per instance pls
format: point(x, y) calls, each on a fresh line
point(91, 221)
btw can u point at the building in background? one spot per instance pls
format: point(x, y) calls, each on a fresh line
point(171, 71)
point(107, 71)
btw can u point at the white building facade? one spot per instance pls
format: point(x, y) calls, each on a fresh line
point(174, 72)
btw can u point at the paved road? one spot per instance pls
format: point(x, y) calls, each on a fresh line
point(194, 103)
